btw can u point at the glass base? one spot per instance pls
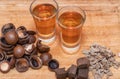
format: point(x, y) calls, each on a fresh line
point(70, 50)
point(47, 41)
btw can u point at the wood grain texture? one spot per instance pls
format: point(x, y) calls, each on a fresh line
point(102, 26)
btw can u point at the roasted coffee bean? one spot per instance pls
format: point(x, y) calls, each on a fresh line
point(27, 57)
point(12, 61)
point(22, 65)
point(45, 57)
point(4, 66)
point(32, 39)
point(23, 41)
point(9, 52)
point(34, 52)
point(23, 35)
point(61, 73)
point(22, 28)
point(53, 64)
point(4, 44)
point(35, 62)
point(7, 27)
point(42, 48)
point(72, 72)
point(29, 48)
point(83, 62)
point(21, 31)
point(6, 49)
point(38, 44)
point(11, 37)
point(30, 32)
point(2, 55)
point(19, 51)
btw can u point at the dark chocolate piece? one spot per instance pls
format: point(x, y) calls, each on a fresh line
point(72, 71)
point(82, 74)
point(61, 73)
point(83, 62)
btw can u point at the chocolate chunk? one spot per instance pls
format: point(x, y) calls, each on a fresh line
point(61, 73)
point(72, 71)
point(83, 62)
point(82, 74)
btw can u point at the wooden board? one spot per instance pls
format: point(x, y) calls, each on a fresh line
point(102, 26)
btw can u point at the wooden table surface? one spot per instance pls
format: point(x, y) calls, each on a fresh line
point(102, 26)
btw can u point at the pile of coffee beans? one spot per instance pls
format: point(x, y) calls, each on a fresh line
point(18, 49)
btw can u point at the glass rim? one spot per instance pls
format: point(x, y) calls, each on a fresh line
point(84, 17)
point(55, 13)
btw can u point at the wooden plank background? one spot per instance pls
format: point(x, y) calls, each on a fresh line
point(102, 26)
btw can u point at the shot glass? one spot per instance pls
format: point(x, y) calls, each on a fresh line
point(70, 19)
point(44, 15)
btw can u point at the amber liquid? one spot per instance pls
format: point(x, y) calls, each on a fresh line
point(45, 20)
point(71, 20)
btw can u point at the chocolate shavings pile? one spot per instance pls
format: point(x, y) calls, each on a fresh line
point(101, 60)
